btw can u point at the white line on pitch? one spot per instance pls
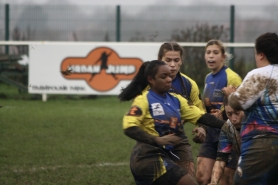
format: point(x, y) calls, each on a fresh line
point(70, 166)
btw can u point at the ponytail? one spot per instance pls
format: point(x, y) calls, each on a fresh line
point(140, 81)
point(136, 86)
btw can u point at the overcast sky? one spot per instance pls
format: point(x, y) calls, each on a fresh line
point(146, 2)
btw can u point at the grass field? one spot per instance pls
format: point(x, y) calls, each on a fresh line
point(61, 141)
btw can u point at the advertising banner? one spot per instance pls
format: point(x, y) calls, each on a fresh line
point(86, 68)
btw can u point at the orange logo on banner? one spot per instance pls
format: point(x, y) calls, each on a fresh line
point(102, 69)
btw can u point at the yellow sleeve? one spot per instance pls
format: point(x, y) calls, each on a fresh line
point(136, 113)
point(195, 95)
point(233, 78)
point(189, 113)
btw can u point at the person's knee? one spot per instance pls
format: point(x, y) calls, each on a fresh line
point(188, 166)
point(204, 169)
point(202, 178)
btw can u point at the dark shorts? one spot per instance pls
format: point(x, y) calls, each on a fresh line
point(209, 148)
point(258, 162)
point(183, 152)
point(148, 163)
point(171, 177)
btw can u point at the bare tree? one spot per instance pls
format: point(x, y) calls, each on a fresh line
point(20, 35)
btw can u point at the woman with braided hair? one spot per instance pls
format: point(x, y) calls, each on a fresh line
point(155, 122)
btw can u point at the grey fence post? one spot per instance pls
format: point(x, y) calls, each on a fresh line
point(118, 24)
point(7, 26)
point(232, 33)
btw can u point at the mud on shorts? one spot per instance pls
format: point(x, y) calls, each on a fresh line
point(209, 148)
point(184, 157)
point(258, 162)
point(153, 165)
point(183, 152)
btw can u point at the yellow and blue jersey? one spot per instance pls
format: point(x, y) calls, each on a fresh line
point(160, 115)
point(213, 99)
point(187, 87)
point(214, 83)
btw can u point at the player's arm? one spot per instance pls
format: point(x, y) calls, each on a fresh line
point(247, 93)
point(217, 172)
point(210, 120)
point(132, 121)
point(200, 134)
point(139, 134)
point(224, 150)
point(142, 136)
point(195, 96)
point(197, 101)
point(194, 115)
point(234, 79)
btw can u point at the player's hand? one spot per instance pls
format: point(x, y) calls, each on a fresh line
point(228, 90)
point(170, 139)
point(200, 136)
point(217, 113)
